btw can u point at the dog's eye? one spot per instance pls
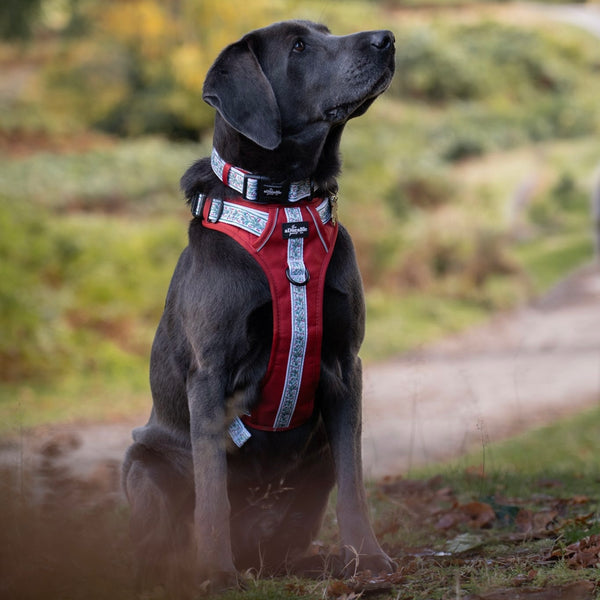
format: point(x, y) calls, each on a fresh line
point(299, 46)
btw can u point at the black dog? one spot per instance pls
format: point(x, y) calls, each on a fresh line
point(283, 95)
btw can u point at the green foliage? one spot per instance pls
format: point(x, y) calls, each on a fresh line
point(29, 253)
point(421, 186)
point(77, 293)
point(17, 18)
point(489, 59)
point(428, 68)
point(501, 85)
point(567, 201)
point(143, 63)
point(134, 176)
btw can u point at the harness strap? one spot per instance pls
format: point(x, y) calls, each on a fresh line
point(293, 245)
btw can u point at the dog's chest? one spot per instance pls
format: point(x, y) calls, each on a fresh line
point(293, 245)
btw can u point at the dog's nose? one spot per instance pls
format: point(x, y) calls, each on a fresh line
point(382, 40)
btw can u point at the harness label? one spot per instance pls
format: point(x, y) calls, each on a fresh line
point(295, 230)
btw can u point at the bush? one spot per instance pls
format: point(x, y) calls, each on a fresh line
point(424, 187)
point(140, 68)
point(79, 294)
point(431, 69)
point(456, 258)
point(565, 201)
point(33, 343)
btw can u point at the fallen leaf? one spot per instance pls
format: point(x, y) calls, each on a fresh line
point(578, 499)
point(338, 589)
point(477, 515)
point(447, 521)
point(465, 542)
point(550, 483)
point(584, 553)
point(524, 578)
point(528, 521)
point(480, 514)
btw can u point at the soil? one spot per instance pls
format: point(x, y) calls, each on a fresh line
point(519, 371)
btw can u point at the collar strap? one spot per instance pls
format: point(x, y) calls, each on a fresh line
point(257, 188)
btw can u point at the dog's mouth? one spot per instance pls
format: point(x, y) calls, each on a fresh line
point(349, 110)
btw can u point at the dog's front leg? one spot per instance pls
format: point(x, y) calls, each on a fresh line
point(211, 512)
point(342, 415)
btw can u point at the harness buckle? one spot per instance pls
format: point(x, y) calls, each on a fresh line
point(216, 210)
point(197, 206)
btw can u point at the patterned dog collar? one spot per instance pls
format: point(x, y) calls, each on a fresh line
point(257, 188)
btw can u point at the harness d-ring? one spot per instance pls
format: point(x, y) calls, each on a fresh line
point(298, 283)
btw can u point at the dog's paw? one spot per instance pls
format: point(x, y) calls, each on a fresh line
point(376, 563)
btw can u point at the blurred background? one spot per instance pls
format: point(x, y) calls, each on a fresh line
point(480, 162)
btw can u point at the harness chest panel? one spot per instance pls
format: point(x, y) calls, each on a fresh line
point(293, 244)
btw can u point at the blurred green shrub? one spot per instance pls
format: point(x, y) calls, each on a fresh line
point(458, 263)
point(135, 176)
point(566, 201)
point(500, 85)
point(140, 66)
point(79, 293)
point(421, 186)
point(17, 18)
point(432, 69)
point(32, 255)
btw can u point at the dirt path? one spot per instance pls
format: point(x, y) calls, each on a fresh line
point(520, 370)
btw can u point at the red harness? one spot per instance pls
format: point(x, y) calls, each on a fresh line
point(293, 244)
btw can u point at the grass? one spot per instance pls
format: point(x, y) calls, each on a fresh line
point(514, 524)
point(570, 449)
point(25, 406)
point(547, 260)
point(132, 177)
point(400, 324)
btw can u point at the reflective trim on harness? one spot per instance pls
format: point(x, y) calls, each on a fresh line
point(293, 245)
point(299, 325)
point(249, 219)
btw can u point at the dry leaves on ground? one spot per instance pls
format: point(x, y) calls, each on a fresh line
point(583, 554)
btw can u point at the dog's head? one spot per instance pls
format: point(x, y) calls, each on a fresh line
point(292, 82)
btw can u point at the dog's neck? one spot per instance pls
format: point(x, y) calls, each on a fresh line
point(296, 158)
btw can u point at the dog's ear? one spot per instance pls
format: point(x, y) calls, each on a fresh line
point(238, 88)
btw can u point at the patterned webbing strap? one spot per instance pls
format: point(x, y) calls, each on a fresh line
point(293, 245)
